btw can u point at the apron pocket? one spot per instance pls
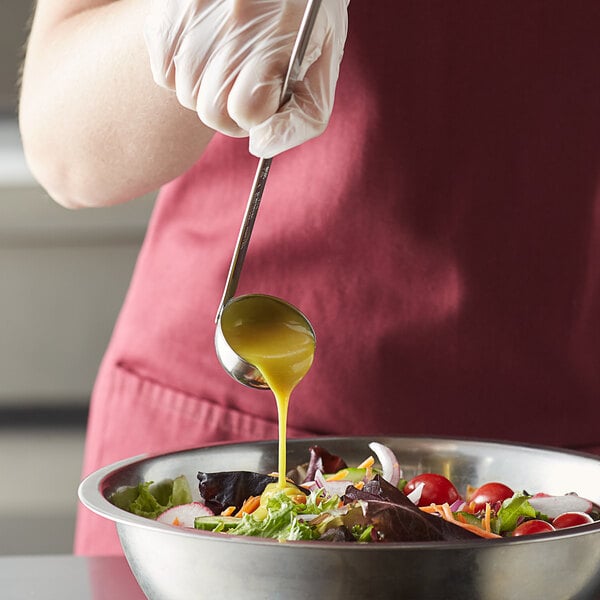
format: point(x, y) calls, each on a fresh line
point(132, 414)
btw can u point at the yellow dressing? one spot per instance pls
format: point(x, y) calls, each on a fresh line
point(271, 335)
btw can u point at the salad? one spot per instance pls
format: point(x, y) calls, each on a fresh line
point(325, 499)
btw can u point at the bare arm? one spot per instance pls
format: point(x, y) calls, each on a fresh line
point(96, 129)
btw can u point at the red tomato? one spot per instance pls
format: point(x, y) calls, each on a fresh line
point(571, 519)
point(533, 526)
point(436, 489)
point(490, 493)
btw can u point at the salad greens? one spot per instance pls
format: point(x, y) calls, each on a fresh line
point(282, 520)
point(512, 512)
point(149, 499)
point(326, 500)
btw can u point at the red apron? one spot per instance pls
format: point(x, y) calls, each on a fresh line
point(443, 236)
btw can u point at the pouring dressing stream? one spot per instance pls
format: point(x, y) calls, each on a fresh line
point(277, 339)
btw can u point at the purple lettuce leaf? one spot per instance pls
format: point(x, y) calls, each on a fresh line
point(324, 461)
point(396, 519)
point(231, 488)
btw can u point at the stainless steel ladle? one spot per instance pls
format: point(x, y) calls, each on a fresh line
point(234, 364)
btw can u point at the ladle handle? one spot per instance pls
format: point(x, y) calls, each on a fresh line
point(264, 164)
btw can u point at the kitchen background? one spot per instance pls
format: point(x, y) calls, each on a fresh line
point(63, 276)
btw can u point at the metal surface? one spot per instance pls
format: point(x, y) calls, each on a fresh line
point(264, 164)
point(172, 564)
point(240, 369)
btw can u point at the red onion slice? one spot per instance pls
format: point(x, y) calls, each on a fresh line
point(319, 479)
point(458, 505)
point(332, 488)
point(389, 463)
point(337, 488)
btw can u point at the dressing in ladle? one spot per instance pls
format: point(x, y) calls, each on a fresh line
point(279, 341)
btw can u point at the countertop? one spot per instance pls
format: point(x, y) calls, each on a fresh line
point(66, 577)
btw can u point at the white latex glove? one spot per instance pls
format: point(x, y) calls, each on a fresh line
point(226, 59)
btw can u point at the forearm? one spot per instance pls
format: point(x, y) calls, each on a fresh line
point(96, 129)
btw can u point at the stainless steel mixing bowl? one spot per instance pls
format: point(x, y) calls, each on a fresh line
point(174, 564)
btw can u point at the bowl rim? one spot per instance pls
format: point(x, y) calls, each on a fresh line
point(90, 493)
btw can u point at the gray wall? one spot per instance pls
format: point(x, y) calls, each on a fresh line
point(63, 276)
point(14, 16)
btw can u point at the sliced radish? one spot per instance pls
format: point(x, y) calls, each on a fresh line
point(184, 514)
point(389, 463)
point(552, 506)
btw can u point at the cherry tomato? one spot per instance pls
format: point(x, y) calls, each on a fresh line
point(436, 489)
point(532, 527)
point(571, 519)
point(491, 493)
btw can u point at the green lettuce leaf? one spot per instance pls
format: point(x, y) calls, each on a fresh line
point(511, 511)
point(317, 503)
point(149, 499)
point(362, 533)
point(281, 521)
point(181, 493)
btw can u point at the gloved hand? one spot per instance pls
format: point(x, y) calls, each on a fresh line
point(226, 59)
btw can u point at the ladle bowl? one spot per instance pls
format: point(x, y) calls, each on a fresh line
point(237, 367)
point(234, 364)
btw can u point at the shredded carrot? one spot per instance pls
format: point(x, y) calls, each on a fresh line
point(228, 511)
point(432, 508)
point(359, 485)
point(339, 476)
point(445, 512)
point(448, 513)
point(249, 506)
point(478, 531)
point(367, 463)
point(487, 520)
point(176, 522)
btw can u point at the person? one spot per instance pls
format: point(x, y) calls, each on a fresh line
point(439, 223)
